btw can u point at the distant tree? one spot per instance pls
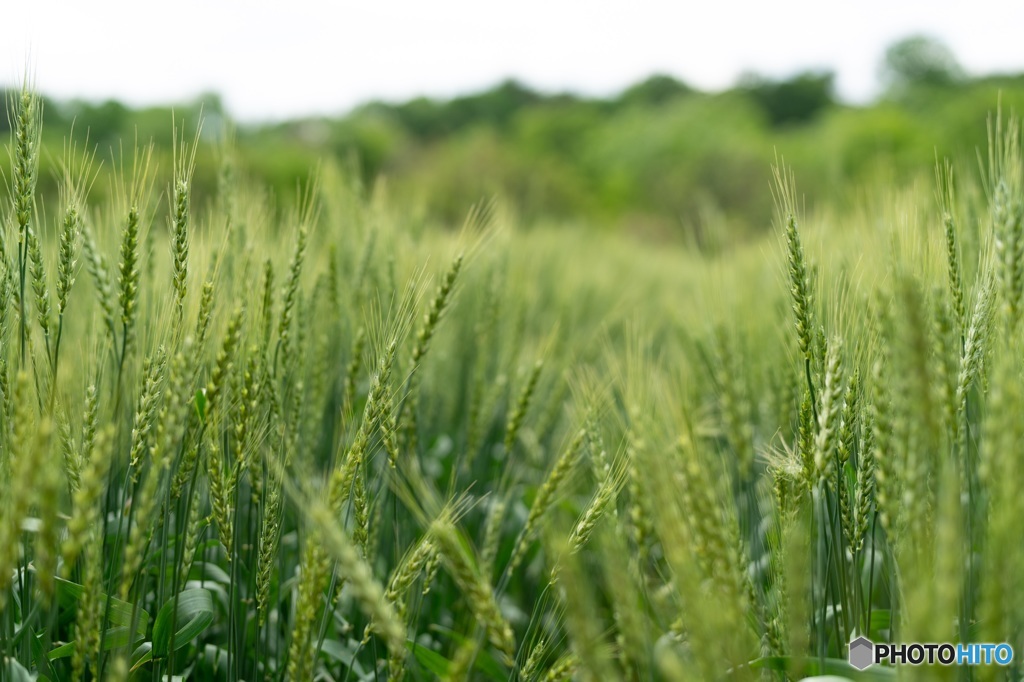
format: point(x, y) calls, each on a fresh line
point(654, 91)
point(496, 106)
point(426, 118)
point(105, 122)
point(796, 100)
point(919, 60)
point(421, 116)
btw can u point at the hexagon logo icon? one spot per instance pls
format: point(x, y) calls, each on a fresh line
point(862, 653)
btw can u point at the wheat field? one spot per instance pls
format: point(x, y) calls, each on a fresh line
point(241, 440)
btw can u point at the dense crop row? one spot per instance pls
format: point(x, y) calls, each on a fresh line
point(337, 443)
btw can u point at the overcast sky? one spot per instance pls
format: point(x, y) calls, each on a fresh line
point(276, 59)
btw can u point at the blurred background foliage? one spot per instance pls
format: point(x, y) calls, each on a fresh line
point(661, 159)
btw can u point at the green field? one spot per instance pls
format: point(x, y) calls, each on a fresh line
point(330, 439)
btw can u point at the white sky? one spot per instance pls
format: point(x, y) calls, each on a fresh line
point(274, 59)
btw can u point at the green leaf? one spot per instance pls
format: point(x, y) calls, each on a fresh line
point(26, 630)
point(344, 654)
point(485, 662)
point(41, 660)
point(115, 638)
point(200, 403)
point(195, 613)
point(213, 572)
point(430, 659)
point(214, 659)
point(120, 612)
point(120, 616)
point(63, 651)
point(142, 655)
point(881, 619)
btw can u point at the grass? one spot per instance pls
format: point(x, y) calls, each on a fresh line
point(335, 443)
